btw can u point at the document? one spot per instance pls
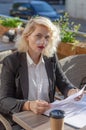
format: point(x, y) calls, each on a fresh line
point(75, 111)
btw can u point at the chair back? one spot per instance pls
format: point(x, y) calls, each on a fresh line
point(74, 68)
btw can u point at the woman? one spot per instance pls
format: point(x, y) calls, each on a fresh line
point(30, 75)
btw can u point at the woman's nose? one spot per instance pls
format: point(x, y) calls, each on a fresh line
point(43, 40)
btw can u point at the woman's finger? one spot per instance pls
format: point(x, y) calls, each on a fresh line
point(79, 97)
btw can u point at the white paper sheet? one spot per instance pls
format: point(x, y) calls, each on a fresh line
point(77, 121)
point(75, 111)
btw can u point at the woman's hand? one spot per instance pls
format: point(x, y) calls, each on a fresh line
point(73, 91)
point(38, 106)
point(84, 91)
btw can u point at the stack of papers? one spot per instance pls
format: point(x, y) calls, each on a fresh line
point(75, 111)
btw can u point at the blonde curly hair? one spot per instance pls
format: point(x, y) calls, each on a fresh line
point(51, 48)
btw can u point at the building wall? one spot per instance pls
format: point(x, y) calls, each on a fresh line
point(76, 8)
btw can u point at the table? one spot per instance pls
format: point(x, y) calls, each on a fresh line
point(30, 121)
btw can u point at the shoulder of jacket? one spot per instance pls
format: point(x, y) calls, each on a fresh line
point(12, 57)
point(13, 60)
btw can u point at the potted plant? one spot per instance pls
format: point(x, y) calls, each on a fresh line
point(7, 23)
point(69, 44)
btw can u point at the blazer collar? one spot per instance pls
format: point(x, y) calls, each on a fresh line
point(49, 64)
point(49, 68)
point(23, 72)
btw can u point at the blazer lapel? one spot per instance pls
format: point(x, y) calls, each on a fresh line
point(49, 68)
point(23, 72)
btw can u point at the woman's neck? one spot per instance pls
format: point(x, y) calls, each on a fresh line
point(34, 57)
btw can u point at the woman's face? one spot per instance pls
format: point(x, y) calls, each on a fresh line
point(38, 40)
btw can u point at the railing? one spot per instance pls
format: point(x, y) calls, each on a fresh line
point(83, 34)
point(80, 35)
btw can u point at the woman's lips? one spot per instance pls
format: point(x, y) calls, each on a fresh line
point(41, 47)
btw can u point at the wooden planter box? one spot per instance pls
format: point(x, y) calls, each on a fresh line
point(3, 30)
point(6, 29)
point(67, 49)
point(81, 48)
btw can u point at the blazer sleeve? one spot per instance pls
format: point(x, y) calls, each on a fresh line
point(9, 104)
point(62, 82)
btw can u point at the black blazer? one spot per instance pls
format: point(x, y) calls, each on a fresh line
point(14, 81)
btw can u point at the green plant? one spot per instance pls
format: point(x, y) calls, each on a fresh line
point(10, 22)
point(68, 29)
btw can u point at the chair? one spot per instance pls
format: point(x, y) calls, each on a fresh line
point(75, 69)
point(5, 123)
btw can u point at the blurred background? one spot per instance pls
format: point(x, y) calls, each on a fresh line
point(75, 8)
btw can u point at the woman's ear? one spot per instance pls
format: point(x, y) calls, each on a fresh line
point(26, 38)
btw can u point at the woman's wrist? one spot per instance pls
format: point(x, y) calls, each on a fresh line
point(26, 106)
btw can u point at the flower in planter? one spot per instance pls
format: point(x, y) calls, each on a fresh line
point(69, 40)
point(10, 22)
point(68, 29)
point(9, 25)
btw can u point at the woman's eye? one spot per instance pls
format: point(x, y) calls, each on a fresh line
point(47, 37)
point(38, 36)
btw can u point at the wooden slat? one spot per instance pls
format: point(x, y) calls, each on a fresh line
point(30, 121)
